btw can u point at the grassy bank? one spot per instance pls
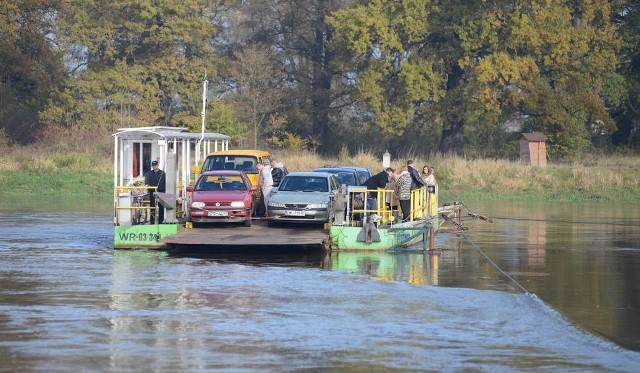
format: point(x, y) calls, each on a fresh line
point(613, 178)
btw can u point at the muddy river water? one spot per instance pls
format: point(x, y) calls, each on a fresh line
point(545, 287)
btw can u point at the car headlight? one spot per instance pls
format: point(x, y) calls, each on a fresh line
point(276, 204)
point(317, 205)
point(237, 204)
point(197, 205)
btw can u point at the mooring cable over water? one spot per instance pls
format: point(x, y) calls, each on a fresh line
point(462, 231)
point(565, 221)
point(494, 263)
point(490, 219)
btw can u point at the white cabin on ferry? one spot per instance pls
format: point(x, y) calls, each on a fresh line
point(175, 148)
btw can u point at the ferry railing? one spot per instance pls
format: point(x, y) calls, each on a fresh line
point(361, 196)
point(417, 204)
point(432, 200)
point(130, 205)
point(423, 204)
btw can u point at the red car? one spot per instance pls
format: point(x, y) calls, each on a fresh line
point(222, 197)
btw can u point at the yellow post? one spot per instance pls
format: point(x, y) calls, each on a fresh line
point(433, 200)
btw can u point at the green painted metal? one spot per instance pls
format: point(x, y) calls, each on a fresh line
point(142, 236)
point(359, 262)
point(346, 238)
point(396, 237)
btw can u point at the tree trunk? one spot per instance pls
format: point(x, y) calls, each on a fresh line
point(451, 142)
point(321, 88)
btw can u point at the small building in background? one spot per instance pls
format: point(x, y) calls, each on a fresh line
point(533, 149)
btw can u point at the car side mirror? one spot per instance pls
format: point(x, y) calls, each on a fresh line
point(190, 188)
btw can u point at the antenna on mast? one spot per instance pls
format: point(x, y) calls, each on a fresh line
point(205, 84)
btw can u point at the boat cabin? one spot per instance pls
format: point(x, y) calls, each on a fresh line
point(174, 148)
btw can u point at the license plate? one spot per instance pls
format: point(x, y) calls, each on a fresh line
point(218, 213)
point(294, 213)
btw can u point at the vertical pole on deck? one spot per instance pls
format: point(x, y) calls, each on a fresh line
point(432, 238)
point(115, 179)
point(205, 83)
point(424, 238)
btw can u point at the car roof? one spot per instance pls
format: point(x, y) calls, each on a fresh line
point(254, 152)
point(309, 173)
point(359, 168)
point(331, 169)
point(223, 172)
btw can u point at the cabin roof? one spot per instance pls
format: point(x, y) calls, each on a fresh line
point(534, 136)
point(167, 133)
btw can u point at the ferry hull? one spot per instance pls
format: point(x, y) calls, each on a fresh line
point(143, 236)
point(400, 236)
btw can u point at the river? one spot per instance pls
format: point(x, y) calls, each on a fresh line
point(545, 287)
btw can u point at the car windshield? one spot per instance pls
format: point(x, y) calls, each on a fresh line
point(210, 183)
point(304, 184)
point(231, 162)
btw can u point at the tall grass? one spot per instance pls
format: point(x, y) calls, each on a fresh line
point(80, 162)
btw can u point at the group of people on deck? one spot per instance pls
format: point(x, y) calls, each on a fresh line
point(401, 183)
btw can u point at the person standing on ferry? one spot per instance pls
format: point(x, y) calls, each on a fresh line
point(392, 198)
point(377, 181)
point(404, 192)
point(266, 183)
point(155, 178)
point(427, 175)
point(416, 180)
point(278, 171)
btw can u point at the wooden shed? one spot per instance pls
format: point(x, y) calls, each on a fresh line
point(533, 149)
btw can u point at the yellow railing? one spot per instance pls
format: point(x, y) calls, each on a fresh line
point(137, 205)
point(359, 198)
point(418, 204)
point(422, 204)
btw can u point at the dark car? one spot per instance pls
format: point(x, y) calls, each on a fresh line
point(346, 176)
point(223, 197)
point(363, 173)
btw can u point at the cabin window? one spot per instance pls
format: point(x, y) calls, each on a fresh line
point(141, 158)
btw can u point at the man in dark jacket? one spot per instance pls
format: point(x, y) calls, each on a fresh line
point(416, 180)
point(278, 171)
point(155, 178)
point(377, 181)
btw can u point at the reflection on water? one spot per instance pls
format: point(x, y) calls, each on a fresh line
point(418, 268)
point(69, 303)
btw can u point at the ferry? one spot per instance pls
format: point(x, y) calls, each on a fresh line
point(179, 153)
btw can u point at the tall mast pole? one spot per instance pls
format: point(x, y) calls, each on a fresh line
point(205, 84)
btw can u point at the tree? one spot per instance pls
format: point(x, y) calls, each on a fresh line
point(627, 17)
point(137, 62)
point(257, 91)
point(396, 79)
point(554, 65)
point(298, 35)
point(459, 62)
point(30, 66)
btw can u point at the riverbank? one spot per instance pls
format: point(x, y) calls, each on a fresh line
point(611, 178)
